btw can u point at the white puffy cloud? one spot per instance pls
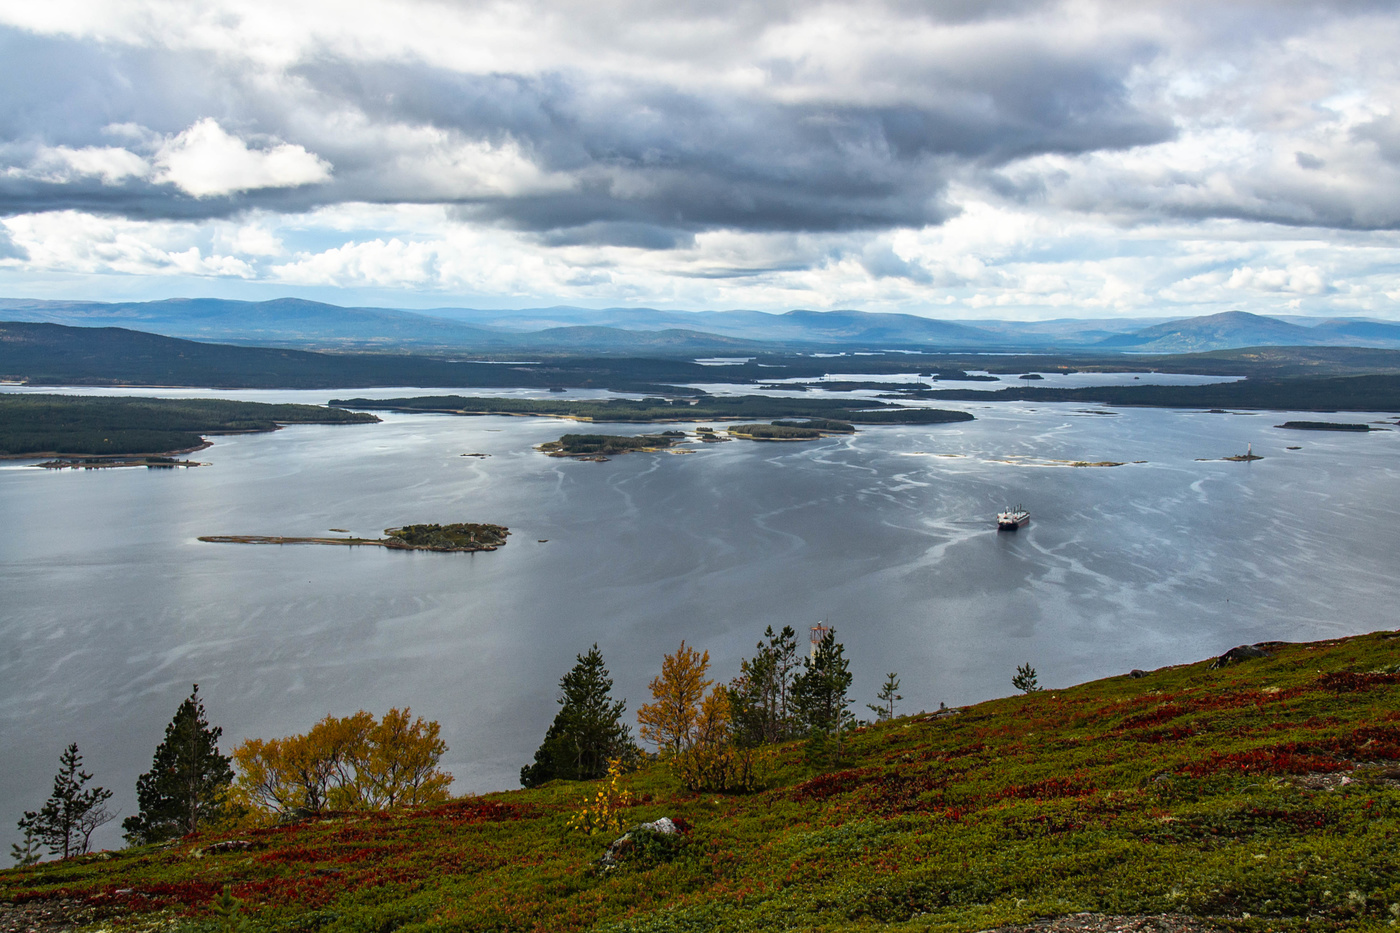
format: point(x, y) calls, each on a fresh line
point(77, 243)
point(1300, 280)
point(110, 164)
point(205, 161)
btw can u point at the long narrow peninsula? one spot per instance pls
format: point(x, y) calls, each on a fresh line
point(661, 410)
point(461, 536)
point(77, 426)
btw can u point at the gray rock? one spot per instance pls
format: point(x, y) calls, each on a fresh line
point(1236, 655)
point(611, 858)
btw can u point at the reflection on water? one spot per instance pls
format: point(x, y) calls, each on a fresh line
point(112, 608)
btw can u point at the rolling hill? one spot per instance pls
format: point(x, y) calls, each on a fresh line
point(1259, 792)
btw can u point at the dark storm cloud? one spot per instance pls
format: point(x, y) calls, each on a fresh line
point(643, 159)
point(648, 164)
point(655, 157)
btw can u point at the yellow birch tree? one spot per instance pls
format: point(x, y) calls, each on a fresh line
point(669, 720)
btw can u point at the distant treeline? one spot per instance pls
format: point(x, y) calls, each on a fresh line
point(74, 424)
point(1345, 393)
point(53, 354)
point(710, 408)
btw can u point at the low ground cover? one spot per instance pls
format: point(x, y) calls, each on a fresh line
point(1262, 795)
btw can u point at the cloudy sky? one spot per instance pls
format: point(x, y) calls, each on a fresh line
point(953, 158)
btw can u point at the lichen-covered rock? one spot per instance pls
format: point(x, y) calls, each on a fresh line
point(657, 841)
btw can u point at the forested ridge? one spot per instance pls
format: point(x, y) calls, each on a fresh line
point(32, 423)
point(709, 408)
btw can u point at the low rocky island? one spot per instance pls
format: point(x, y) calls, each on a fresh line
point(461, 536)
point(107, 463)
point(1323, 426)
point(600, 446)
point(808, 430)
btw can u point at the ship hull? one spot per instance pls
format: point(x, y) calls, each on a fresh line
point(1013, 524)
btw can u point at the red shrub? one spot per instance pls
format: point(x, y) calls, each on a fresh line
point(1047, 789)
point(471, 810)
point(1153, 717)
point(831, 785)
point(1350, 682)
point(1283, 759)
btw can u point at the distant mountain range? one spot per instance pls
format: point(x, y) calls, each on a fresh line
point(294, 323)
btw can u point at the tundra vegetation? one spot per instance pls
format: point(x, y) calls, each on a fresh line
point(1260, 795)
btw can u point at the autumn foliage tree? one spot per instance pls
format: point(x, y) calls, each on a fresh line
point(691, 728)
point(343, 763)
point(669, 721)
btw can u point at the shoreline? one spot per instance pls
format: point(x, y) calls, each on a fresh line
point(57, 455)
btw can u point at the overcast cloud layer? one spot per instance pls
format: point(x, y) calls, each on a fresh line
point(956, 159)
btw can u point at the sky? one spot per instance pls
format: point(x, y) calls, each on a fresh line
point(960, 159)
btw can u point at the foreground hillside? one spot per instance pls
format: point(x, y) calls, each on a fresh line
point(1260, 795)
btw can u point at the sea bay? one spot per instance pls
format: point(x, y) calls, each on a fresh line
point(112, 608)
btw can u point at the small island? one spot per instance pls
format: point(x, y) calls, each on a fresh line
point(808, 430)
point(598, 447)
point(1323, 426)
point(461, 536)
point(107, 463)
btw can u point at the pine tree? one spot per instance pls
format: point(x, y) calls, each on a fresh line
point(27, 853)
point(68, 818)
point(1025, 679)
point(180, 793)
point(887, 695)
point(819, 697)
point(761, 696)
point(588, 730)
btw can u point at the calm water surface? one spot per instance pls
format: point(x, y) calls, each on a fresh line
point(110, 608)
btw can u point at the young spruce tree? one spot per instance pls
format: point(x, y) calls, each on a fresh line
point(180, 794)
point(819, 696)
point(587, 731)
point(68, 818)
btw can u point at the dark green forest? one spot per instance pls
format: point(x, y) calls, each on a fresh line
point(711, 408)
point(74, 424)
point(1312, 393)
